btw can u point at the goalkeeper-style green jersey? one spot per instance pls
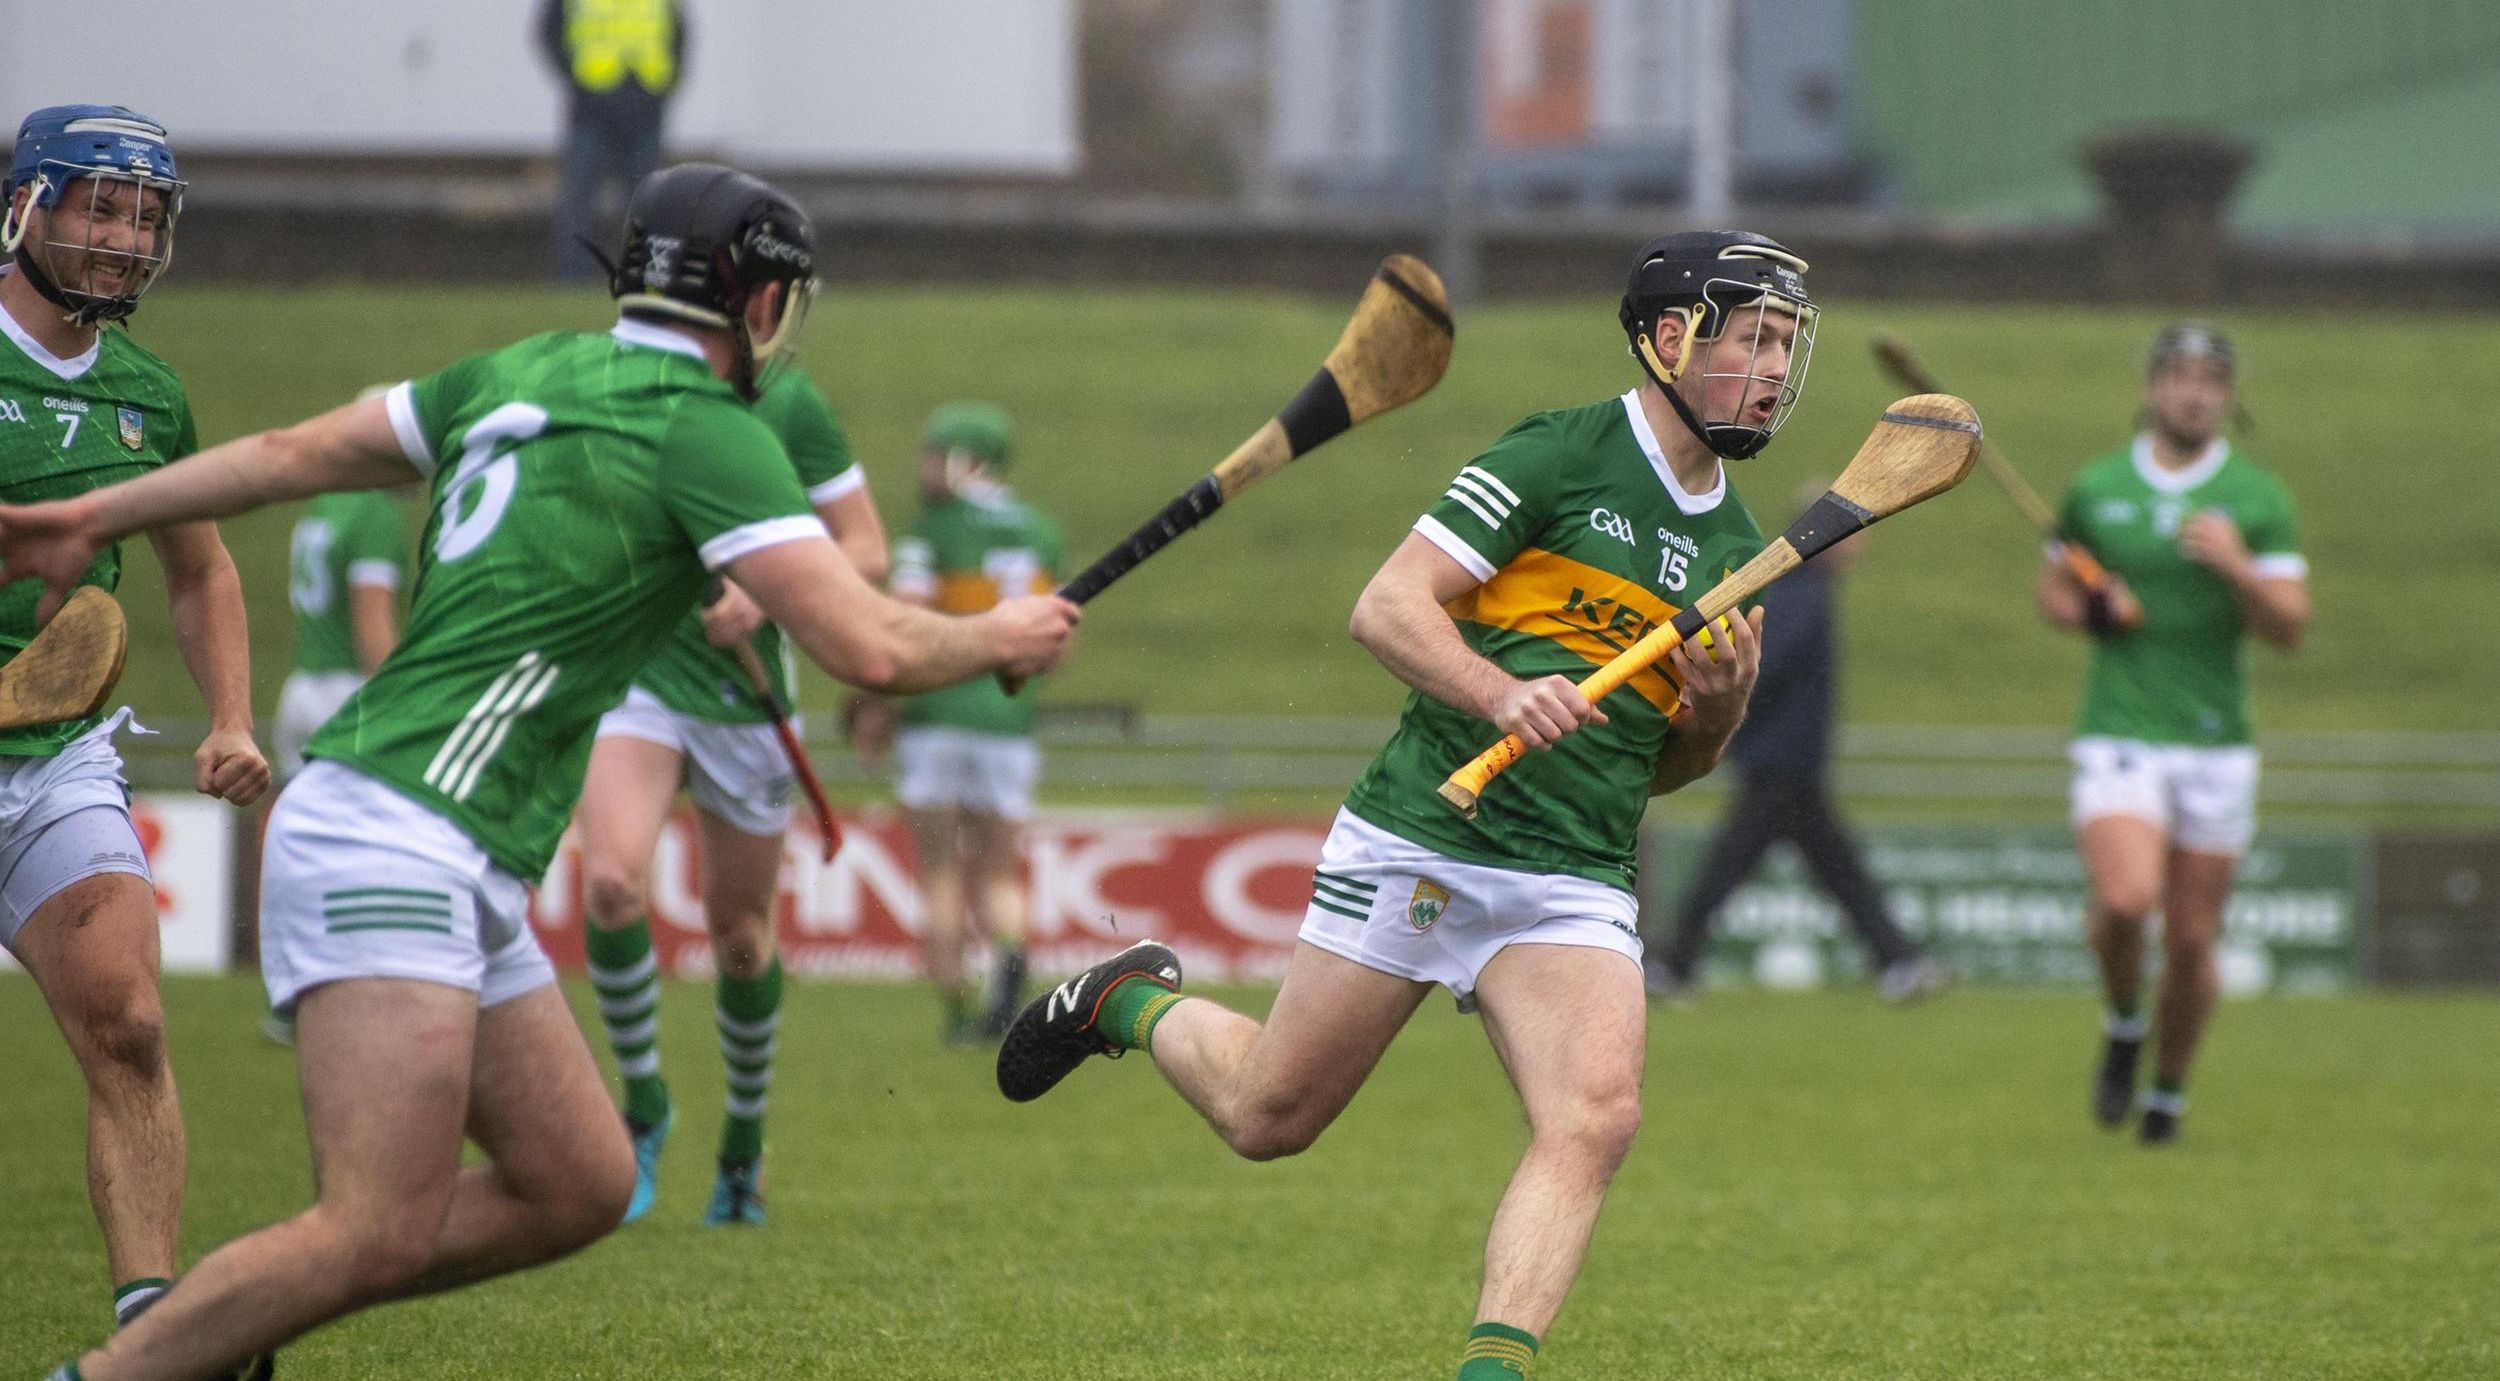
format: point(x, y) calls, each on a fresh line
point(695, 678)
point(2180, 677)
point(583, 486)
point(1584, 542)
point(342, 541)
point(68, 426)
point(962, 556)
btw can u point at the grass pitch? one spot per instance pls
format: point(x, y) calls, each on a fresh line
point(1826, 1188)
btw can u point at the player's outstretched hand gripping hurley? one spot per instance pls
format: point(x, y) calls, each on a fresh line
point(1921, 448)
point(71, 667)
point(1392, 353)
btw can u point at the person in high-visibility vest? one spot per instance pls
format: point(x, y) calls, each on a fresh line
point(620, 61)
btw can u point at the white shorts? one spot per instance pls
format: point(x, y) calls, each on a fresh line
point(2205, 799)
point(936, 767)
point(83, 779)
point(305, 703)
point(737, 772)
point(358, 881)
point(1390, 904)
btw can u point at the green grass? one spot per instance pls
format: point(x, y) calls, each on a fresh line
point(1825, 1189)
point(1124, 397)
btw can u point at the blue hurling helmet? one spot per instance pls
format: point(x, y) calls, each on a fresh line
point(60, 147)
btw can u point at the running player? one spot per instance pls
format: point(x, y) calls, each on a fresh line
point(584, 489)
point(2203, 545)
point(966, 762)
point(691, 719)
point(92, 197)
point(1572, 536)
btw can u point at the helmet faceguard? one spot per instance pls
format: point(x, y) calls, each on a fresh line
point(101, 184)
point(1710, 277)
point(702, 241)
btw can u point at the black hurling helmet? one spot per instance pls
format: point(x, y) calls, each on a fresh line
point(700, 240)
point(1708, 275)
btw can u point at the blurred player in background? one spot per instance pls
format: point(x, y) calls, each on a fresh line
point(92, 197)
point(587, 487)
point(1782, 758)
point(691, 720)
point(1575, 534)
point(2202, 545)
point(966, 763)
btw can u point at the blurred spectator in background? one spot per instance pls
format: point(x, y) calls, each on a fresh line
point(1782, 791)
point(620, 61)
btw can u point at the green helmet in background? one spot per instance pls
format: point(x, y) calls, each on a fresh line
point(980, 430)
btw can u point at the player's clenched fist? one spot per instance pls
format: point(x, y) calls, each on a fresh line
point(53, 542)
point(1718, 675)
point(229, 766)
point(1541, 711)
point(1032, 632)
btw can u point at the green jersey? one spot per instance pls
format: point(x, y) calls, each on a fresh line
point(582, 487)
point(1583, 541)
point(963, 556)
point(341, 542)
point(690, 675)
point(2179, 678)
point(68, 426)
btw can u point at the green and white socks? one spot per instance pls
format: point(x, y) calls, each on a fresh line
point(1497, 1352)
point(627, 976)
point(748, 1013)
point(132, 1296)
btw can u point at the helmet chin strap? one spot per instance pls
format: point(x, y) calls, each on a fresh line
point(1726, 440)
point(42, 283)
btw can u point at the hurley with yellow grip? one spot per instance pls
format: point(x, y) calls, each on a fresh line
point(1922, 447)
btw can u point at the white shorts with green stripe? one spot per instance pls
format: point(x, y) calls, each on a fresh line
point(1393, 905)
point(359, 881)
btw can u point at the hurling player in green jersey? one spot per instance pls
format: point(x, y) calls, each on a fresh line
point(92, 197)
point(692, 720)
point(1563, 543)
point(585, 489)
point(2203, 549)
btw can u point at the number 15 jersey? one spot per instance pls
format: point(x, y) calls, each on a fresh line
point(581, 486)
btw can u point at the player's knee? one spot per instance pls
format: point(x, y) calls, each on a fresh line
point(1600, 1128)
point(124, 1033)
point(381, 1255)
point(613, 893)
point(1271, 1130)
point(2124, 902)
point(604, 1187)
point(742, 946)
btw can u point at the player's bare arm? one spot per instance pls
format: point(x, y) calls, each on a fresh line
point(859, 635)
point(2276, 606)
point(1716, 691)
point(373, 621)
point(1399, 619)
point(205, 597)
point(859, 532)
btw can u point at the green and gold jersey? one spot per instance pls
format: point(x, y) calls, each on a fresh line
point(963, 556)
point(2179, 678)
point(68, 426)
point(582, 487)
point(690, 675)
point(1584, 542)
point(342, 541)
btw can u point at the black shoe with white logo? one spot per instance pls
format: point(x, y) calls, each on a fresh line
point(1055, 1032)
point(2113, 1087)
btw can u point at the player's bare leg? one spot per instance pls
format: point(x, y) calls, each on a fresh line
point(93, 950)
point(741, 883)
point(1570, 1024)
point(2197, 886)
point(625, 800)
point(937, 838)
point(1270, 1090)
point(2122, 865)
point(994, 864)
point(384, 1066)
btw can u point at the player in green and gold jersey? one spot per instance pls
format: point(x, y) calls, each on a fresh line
point(2203, 549)
point(92, 197)
point(691, 719)
point(1572, 536)
point(965, 759)
point(585, 489)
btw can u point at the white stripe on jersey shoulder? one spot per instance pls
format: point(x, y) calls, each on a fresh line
point(1453, 546)
point(1473, 505)
point(1487, 477)
point(754, 537)
point(401, 403)
point(1469, 484)
point(73, 367)
point(635, 331)
point(379, 574)
point(843, 485)
point(2207, 464)
point(1685, 503)
point(2280, 565)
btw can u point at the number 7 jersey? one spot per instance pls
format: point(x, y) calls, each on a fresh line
point(582, 487)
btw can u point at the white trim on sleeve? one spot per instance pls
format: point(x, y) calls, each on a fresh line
point(381, 574)
point(1453, 546)
point(849, 482)
point(754, 537)
point(2280, 565)
point(402, 403)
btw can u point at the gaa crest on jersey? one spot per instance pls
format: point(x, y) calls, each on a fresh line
point(1426, 906)
point(134, 427)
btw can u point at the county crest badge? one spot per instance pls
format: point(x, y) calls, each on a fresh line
point(1426, 906)
point(134, 427)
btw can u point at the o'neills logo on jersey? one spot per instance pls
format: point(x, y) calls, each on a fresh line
point(1426, 906)
point(134, 425)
